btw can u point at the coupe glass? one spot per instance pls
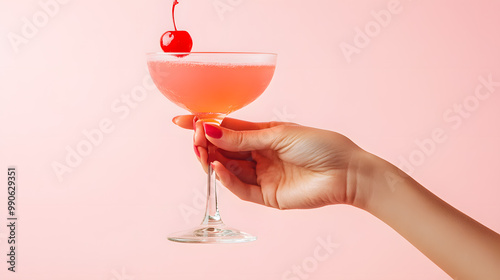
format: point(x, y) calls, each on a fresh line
point(210, 86)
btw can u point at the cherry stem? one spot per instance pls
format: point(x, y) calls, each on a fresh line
point(173, 17)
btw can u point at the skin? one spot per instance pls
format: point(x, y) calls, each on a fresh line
point(289, 166)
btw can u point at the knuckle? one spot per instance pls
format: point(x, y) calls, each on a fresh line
point(239, 139)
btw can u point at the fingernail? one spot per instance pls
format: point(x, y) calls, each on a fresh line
point(174, 120)
point(195, 119)
point(212, 131)
point(196, 150)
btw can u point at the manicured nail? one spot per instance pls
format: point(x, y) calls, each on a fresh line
point(212, 131)
point(174, 120)
point(196, 151)
point(195, 119)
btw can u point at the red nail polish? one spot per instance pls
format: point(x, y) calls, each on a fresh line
point(196, 150)
point(212, 131)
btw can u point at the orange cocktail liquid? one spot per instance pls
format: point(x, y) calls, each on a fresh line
point(210, 90)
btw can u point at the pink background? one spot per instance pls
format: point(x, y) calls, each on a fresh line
point(108, 218)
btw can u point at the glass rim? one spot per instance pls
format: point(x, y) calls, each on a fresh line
point(238, 58)
point(209, 53)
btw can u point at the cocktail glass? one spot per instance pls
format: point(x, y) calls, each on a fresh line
point(210, 86)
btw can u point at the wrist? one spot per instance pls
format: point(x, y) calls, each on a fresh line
point(374, 179)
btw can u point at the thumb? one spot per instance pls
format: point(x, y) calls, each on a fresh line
point(245, 140)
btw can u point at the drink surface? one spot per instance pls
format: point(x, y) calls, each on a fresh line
point(210, 88)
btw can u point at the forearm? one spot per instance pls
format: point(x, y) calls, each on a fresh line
point(462, 247)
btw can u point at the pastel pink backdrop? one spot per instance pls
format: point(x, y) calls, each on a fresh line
point(108, 218)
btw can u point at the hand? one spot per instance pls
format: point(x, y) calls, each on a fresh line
point(281, 165)
point(287, 166)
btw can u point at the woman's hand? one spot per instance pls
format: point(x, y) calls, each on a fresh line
point(285, 166)
point(281, 165)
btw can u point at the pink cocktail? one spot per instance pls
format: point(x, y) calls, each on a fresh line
point(209, 88)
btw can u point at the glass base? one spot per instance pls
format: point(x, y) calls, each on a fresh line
point(212, 234)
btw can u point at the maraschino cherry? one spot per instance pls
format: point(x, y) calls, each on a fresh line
point(178, 40)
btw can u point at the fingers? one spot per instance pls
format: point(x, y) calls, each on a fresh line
point(244, 170)
point(236, 155)
point(246, 140)
point(247, 192)
point(199, 135)
point(236, 124)
point(201, 147)
point(203, 158)
point(238, 136)
point(186, 121)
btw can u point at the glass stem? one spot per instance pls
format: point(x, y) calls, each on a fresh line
point(212, 216)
